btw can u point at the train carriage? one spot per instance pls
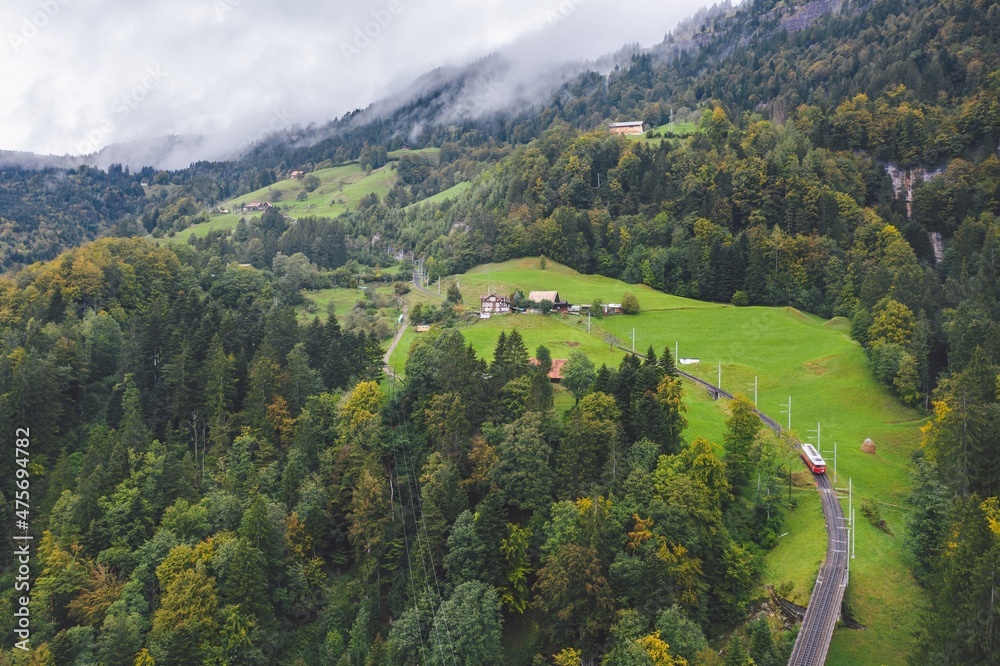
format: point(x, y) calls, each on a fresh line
point(814, 461)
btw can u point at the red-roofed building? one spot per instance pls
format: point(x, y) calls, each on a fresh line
point(555, 374)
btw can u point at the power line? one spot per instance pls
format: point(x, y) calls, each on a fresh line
point(409, 561)
point(414, 505)
point(437, 584)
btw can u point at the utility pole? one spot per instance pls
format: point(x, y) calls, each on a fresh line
point(439, 285)
point(854, 536)
point(817, 433)
point(755, 390)
point(848, 547)
point(788, 410)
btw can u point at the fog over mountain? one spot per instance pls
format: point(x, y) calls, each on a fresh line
point(167, 83)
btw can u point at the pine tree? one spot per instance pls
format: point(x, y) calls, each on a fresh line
point(132, 428)
point(219, 388)
point(667, 362)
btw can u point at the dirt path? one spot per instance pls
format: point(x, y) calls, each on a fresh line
point(392, 345)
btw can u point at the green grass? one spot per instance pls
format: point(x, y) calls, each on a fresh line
point(800, 551)
point(444, 195)
point(432, 153)
point(562, 335)
point(342, 299)
point(524, 274)
point(792, 354)
point(341, 189)
point(680, 129)
point(881, 594)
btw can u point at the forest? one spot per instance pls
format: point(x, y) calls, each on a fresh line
point(221, 476)
point(221, 483)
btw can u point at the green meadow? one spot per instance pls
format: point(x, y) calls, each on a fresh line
point(679, 129)
point(341, 189)
point(444, 195)
point(791, 354)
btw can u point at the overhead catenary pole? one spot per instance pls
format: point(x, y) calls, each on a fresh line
point(720, 375)
point(854, 536)
point(755, 390)
point(835, 462)
point(588, 323)
point(848, 547)
point(818, 432)
point(788, 410)
point(633, 340)
point(677, 359)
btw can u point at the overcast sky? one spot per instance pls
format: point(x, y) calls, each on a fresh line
point(81, 74)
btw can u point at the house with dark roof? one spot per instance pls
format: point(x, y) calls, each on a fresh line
point(494, 304)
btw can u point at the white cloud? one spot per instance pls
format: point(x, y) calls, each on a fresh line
point(231, 66)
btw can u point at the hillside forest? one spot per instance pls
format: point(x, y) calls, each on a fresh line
point(223, 473)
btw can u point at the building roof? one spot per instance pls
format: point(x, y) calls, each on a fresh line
point(630, 123)
point(539, 296)
point(497, 297)
point(557, 367)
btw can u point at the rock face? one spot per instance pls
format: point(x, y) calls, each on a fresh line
point(868, 447)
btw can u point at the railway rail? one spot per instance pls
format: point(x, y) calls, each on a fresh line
point(813, 642)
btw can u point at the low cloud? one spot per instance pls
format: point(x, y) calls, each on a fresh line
point(229, 72)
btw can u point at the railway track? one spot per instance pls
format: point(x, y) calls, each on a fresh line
point(823, 611)
point(813, 641)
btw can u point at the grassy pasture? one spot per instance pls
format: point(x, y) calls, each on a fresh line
point(444, 195)
point(341, 189)
point(792, 354)
point(681, 128)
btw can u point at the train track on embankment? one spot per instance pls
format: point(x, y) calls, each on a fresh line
point(813, 642)
point(823, 611)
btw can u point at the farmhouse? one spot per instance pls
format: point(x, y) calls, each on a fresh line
point(256, 205)
point(552, 297)
point(627, 128)
point(298, 174)
point(494, 304)
point(423, 328)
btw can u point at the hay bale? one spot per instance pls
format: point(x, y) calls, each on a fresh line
point(868, 447)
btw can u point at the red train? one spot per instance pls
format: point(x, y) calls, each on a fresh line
point(814, 461)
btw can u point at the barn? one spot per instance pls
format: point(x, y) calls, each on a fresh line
point(551, 296)
point(628, 128)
